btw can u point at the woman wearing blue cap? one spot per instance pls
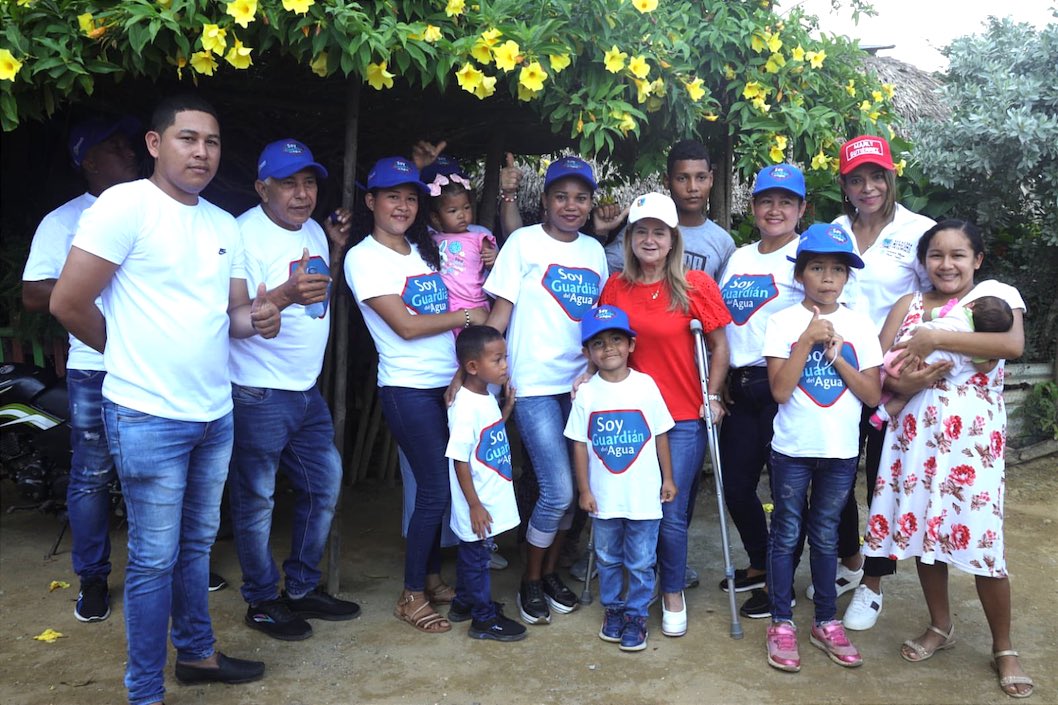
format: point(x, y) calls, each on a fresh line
point(757, 281)
point(393, 274)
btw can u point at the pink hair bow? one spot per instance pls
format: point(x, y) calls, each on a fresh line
point(441, 180)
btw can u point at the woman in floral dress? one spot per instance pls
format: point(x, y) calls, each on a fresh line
point(940, 490)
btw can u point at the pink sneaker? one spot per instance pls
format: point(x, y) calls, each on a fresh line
point(831, 638)
point(782, 647)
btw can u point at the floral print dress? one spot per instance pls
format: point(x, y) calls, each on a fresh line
point(941, 481)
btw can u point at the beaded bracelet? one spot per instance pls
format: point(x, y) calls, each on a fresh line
point(466, 315)
point(508, 199)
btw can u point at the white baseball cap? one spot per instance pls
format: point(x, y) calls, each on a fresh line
point(654, 205)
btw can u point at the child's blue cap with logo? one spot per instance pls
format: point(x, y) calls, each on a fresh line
point(570, 166)
point(604, 318)
point(828, 239)
point(781, 176)
point(394, 171)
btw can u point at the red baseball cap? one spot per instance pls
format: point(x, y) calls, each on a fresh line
point(865, 149)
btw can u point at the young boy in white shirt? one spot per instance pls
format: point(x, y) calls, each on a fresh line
point(483, 504)
point(620, 416)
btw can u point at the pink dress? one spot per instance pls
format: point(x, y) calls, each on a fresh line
point(461, 268)
point(941, 482)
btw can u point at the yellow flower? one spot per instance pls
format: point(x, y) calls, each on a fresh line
point(298, 7)
point(900, 166)
point(729, 73)
point(889, 89)
point(486, 88)
point(559, 61)
point(756, 42)
point(239, 55)
point(319, 65)
point(481, 52)
point(180, 62)
point(642, 89)
point(798, 53)
point(877, 95)
point(760, 104)
point(774, 43)
point(507, 56)
point(874, 115)
point(526, 94)
point(695, 90)
point(625, 122)
point(580, 123)
point(816, 58)
point(850, 88)
point(243, 12)
point(639, 67)
point(775, 62)
point(768, 507)
point(710, 117)
point(753, 90)
point(865, 105)
point(432, 33)
point(455, 7)
point(203, 62)
point(657, 87)
point(24, 3)
point(491, 36)
point(781, 142)
point(614, 59)
point(532, 76)
point(469, 77)
point(86, 23)
point(378, 77)
point(645, 6)
point(820, 161)
point(162, 3)
point(9, 66)
point(213, 39)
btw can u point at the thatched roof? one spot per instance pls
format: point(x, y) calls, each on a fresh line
point(917, 95)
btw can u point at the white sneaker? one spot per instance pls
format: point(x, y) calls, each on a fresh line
point(844, 581)
point(864, 609)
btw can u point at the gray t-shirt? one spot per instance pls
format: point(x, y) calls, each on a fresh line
point(706, 247)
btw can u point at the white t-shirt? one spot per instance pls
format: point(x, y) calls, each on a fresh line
point(822, 417)
point(47, 255)
point(293, 359)
point(166, 307)
point(754, 287)
point(619, 421)
point(552, 284)
point(373, 270)
point(891, 266)
point(478, 437)
point(706, 248)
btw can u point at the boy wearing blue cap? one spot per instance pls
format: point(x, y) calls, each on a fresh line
point(823, 363)
point(279, 412)
point(618, 426)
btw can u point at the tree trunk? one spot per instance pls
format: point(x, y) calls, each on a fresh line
point(720, 197)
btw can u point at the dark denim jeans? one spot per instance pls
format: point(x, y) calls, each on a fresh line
point(473, 582)
point(418, 419)
point(91, 472)
point(687, 441)
point(830, 480)
point(278, 429)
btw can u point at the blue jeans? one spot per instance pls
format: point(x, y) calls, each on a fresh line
point(687, 449)
point(626, 544)
point(275, 429)
point(831, 481)
point(418, 419)
point(407, 478)
point(541, 425)
point(91, 473)
point(172, 474)
point(473, 582)
point(745, 440)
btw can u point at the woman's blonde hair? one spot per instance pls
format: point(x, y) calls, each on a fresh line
point(674, 275)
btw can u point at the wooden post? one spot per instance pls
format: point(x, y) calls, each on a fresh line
point(490, 188)
point(721, 196)
point(340, 330)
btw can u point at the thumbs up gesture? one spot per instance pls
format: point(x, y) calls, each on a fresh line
point(819, 329)
point(510, 176)
point(304, 287)
point(264, 315)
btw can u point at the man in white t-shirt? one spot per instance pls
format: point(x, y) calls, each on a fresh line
point(101, 150)
point(689, 179)
point(281, 419)
point(169, 266)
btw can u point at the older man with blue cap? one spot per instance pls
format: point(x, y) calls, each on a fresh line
point(281, 419)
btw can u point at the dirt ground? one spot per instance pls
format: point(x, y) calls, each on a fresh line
point(375, 659)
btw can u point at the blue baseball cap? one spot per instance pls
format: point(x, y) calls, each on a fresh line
point(781, 176)
point(88, 133)
point(570, 166)
point(394, 171)
point(828, 239)
point(286, 157)
point(604, 318)
point(442, 166)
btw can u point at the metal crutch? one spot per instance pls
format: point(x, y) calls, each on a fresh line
point(585, 594)
point(714, 453)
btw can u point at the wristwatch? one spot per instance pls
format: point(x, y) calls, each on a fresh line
point(712, 397)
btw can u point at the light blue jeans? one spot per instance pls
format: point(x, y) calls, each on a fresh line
point(626, 544)
point(172, 475)
point(687, 442)
point(541, 424)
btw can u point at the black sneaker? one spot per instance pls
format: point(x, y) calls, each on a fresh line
point(499, 628)
point(93, 602)
point(744, 583)
point(531, 603)
point(276, 620)
point(559, 597)
point(458, 612)
point(320, 605)
point(758, 606)
point(216, 582)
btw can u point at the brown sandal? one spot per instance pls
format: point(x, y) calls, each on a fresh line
point(415, 609)
point(441, 594)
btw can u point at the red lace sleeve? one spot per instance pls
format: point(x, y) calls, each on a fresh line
point(706, 303)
